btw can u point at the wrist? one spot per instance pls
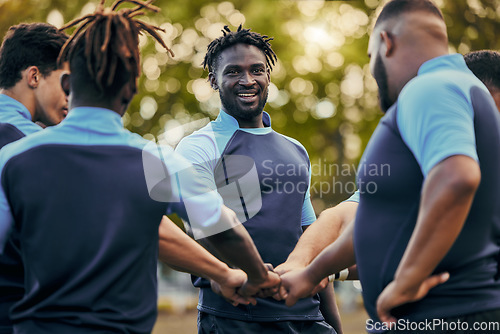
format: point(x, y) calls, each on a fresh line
point(258, 278)
point(219, 272)
point(315, 276)
point(297, 260)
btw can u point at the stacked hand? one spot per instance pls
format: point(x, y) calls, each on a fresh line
point(294, 283)
point(228, 288)
point(299, 283)
point(262, 288)
point(237, 289)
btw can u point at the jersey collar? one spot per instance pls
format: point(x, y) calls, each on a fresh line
point(8, 102)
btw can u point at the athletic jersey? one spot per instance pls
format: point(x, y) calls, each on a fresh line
point(15, 123)
point(264, 177)
point(87, 197)
point(444, 111)
point(15, 120)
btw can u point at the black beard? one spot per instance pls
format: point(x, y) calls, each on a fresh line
point(233, 109)
point(380, 76)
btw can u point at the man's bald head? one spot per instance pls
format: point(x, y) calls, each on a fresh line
point(396, 8)
point(406, 34)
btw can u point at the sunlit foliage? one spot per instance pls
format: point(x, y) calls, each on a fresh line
point(321, 93)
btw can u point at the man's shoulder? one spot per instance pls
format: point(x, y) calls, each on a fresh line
point(201, 139)
point(18, 147)
point(211, 139)
point(15, 120)
point(452, 81)
point(293, 141)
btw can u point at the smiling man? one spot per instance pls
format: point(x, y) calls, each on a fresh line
point(249, 164)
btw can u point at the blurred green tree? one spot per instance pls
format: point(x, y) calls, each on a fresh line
point(321, 94)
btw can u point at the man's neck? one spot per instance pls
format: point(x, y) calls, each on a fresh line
point(255, 122)
point(111, 105)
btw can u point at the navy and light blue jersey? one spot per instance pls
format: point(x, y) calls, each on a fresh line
point(15, 123)
point(86, 198)
point(15, 120)
point(264, 177)
point(444, 111)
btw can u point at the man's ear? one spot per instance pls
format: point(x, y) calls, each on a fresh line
point(33, 76)
point(213, 81)
point(388, 40)
point(126, 94)
point(65, 83)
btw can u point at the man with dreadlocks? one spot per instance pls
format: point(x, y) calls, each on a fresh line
point(90, 246)
point(249, 164)
point(30, 91)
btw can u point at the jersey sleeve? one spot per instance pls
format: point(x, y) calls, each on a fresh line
point(308, 215)
point(6, 218)
point(201, 151)
point(173, 179)
point(436, 122)
point(354, 197)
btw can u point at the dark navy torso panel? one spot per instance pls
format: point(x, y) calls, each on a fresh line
point(85, 220)
point(388, 211)
point(9, 133)
point(11, 267)
point(78, 196)
point(15, 123)
point(283, 171)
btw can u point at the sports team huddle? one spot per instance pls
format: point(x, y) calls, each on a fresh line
point(84, 202)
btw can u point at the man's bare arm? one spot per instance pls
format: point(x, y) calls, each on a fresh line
point(236, 247)
point(305, 282)
point(320, 234)
point(447, 196)
point(182, 253)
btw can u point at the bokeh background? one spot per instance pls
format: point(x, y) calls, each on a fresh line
point(322, 93)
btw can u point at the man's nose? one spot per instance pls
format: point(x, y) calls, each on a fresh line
point(247, 79)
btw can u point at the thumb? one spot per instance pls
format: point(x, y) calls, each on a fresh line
point(269, 266)
point(435, 280)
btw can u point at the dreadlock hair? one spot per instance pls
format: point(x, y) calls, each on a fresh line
point(485, 64)
point(104, 50)
point(240, 36)
point(396, 8)
point(25, 45)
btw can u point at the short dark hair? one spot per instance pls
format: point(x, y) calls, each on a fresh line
point(396, 8)
point(240, 36)
point(29, 44)
point(103, 51)
point(485, 64)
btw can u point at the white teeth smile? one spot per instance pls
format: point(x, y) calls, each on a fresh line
point(246, 95)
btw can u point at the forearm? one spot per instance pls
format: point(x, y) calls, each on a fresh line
point(182, 253)
point(334, 258)
point(447, 196)
point(237, 248)
point(324, 231)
